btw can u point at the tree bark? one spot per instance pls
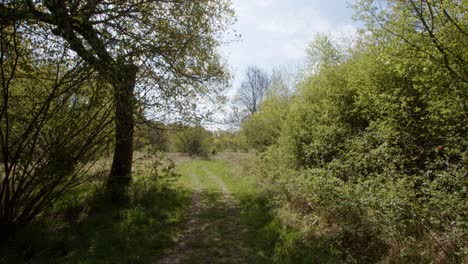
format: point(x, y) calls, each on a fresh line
point(121, 171)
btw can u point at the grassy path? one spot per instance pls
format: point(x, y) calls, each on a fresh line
point(213, 214)
point(215, 230)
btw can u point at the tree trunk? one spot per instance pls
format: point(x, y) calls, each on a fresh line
point(121, 171)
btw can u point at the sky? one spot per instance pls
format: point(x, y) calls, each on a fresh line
point(276, 33)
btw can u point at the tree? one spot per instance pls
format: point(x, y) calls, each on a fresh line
point(263, 127)
point(383, 125)
point(253, 88)
point(433, 28)
point(165, 49)
point(193, 141)
point(55, 122)
point(323, 53)
point(423, 43)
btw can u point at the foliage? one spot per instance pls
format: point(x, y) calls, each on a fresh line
point(154, 166)
point(263, 127)
point(158, 139)
point(371, 157)
point(55, 123)
point(152, 135)
point(323, 53)
point(193, 141)
point(85, 227)
point(150, 53)
point(172, 43)
point(226, 141)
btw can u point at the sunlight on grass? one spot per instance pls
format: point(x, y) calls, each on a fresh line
point(92, 230)
point(255, 224)
point(236, 222)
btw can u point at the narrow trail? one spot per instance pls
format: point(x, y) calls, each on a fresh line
point(190, 229)
point(226, 193)
point(213, 231)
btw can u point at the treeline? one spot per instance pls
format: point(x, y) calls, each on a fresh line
point(191, 140)
point(368, 157)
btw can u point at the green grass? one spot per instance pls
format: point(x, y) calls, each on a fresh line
point(85, 228)
point(267, 238)
point(254, 209)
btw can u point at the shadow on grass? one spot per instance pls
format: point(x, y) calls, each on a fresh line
point(216, 234)
point(95, 231)
point(273, 242)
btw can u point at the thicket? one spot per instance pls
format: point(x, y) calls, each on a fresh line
point(55, 122)
point(84, 226)
point(370, 161)
point(190, 140)
point(262, 128)
point(227, 141)
point(193, 141)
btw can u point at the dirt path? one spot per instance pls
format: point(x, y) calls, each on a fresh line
point(213, 232)
point(190, 229)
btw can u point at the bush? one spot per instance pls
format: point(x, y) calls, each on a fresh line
point(262, 128)
point(193, 141)
point(371, 159)
point(55, 123)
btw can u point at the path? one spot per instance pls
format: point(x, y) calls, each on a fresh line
point(213, 231)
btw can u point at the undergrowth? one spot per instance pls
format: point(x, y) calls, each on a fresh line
point(85, 227)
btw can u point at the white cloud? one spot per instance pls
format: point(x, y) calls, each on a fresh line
point(277, 32)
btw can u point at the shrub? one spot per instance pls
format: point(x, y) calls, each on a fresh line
point(193, 141)
point(55, 123)
point(373, 148)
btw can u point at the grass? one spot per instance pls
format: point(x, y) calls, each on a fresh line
point(255, 227)
point(235, 221)
point(273, 239)
point(84, 227)
point(97, 232)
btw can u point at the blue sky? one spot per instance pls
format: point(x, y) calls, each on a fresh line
point(276, 32)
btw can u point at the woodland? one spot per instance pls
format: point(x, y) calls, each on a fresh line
point(360, 156)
